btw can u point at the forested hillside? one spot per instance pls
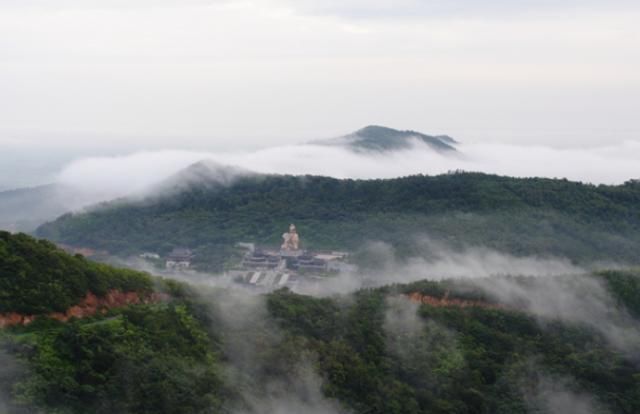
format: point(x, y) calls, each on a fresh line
point(377, 351)
point(457, 358)
point(36, 278)
point(520, 216)
point(141, 358)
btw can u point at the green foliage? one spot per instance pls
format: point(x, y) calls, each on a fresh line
point(37, 278)
point(169, 358)
point(459, 360)
point(520, 216)
point(161, 359)
point(143, 359)
point(138, 359)
point(625, 286)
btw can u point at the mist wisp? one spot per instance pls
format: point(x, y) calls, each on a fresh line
point(575, 299)
point(10, 372)
point(548, 393)
point(552, 289)
point(439, 262)
point(273, 377)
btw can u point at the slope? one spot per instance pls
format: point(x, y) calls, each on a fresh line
point(218, 350)
point(520, 216)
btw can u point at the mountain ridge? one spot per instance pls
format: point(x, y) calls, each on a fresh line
point(520, 216)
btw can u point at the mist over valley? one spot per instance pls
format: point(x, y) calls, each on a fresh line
point(319, 207)
point(411, 279)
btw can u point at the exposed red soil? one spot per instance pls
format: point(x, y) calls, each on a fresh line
point(445, 301)
point(89, 306)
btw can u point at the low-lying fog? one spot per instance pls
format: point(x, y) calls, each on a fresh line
point(91, 180)
point(105, 178)
point(548, 288)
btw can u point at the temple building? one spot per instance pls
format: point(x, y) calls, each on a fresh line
point(179, 258)
point(270, 267)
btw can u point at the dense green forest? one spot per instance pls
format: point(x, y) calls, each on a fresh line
point(212, 350)
point(141, 359)
point(137, 359)
point(460, 360)
point(37, 278)
point(520, 216)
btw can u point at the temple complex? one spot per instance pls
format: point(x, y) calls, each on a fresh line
point(283, 267)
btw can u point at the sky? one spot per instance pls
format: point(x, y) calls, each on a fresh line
point(94, 78)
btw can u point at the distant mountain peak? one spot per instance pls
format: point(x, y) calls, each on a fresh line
point(380, 138)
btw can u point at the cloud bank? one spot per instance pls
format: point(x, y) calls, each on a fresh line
point(351, 8)
point(92, 73)
point(105, 178)
point(425, 8)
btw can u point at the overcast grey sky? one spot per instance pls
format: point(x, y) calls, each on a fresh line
point(116, 75)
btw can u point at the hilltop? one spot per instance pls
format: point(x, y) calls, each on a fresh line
point(24, 209)
point(381, 139)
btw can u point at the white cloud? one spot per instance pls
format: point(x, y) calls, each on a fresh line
point(111, 177)
point(347, 8)
point(216, 70)
point(385, 9)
